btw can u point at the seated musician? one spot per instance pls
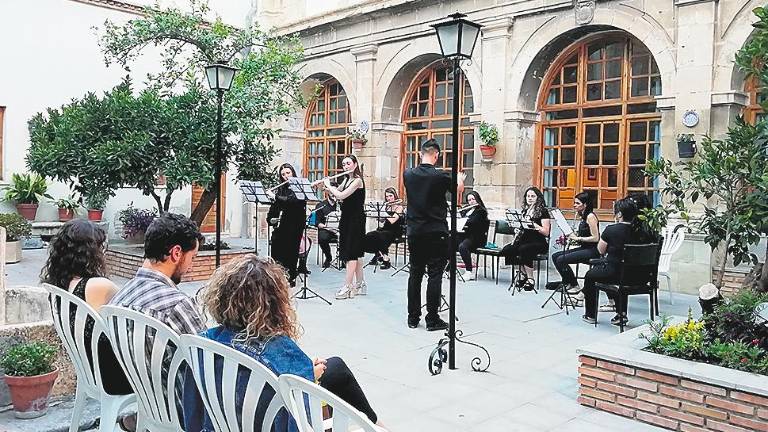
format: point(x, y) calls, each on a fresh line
point(324, 235)
point(585, 237)
point(531, 241)
point(628, 229)
point(475, 231)
point(378, 242)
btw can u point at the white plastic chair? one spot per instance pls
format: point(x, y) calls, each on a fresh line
point(88, 381)
point(301, 396)
point(148, 351)
point(673, 240)
point(220, 402)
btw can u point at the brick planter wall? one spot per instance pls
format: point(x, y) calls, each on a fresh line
point(125, 261)
point(733, 280)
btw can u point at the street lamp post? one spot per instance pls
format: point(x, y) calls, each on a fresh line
point(457, 39)
point(220, 78)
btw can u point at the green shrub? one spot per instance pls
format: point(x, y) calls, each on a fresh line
point(16, 227)
point(29, 359)
point(26, 189)
point(489, 134)
point(733, 320)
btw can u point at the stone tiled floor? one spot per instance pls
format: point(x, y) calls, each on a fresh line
point(530, 385)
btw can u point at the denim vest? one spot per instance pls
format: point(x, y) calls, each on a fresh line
point(280, 354)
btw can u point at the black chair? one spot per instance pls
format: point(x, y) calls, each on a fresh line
point(639, 276)
point(500, 227)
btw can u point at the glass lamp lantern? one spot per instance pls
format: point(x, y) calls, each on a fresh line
point(220, 76)
point(457, 37)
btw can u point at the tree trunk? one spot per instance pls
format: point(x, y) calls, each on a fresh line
point(719, 278)
point(167, 202)
point(207, 199)
point(158, 201)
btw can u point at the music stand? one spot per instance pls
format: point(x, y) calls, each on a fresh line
point(302, 188)
point(566, 298)
point(516, 221)
point(254, 192)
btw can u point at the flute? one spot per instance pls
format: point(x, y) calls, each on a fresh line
point(275, 188)
point(465, 208)
point(317, 182)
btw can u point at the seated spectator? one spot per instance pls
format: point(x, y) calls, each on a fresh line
point(76, 264)
point(475, 232)
point(250, 299)
point(170, 244)
point(628, 229)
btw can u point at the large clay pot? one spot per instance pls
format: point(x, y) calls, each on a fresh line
point(358, 143)
point(13, 251)
point(28, 211)
point(487, 152)
point(94, 215)
point(30, 394)
point(66, 214)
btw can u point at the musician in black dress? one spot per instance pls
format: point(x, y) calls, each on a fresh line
point(427, 226)
point(351, 193)
point(288, 214)
point(378, 242)
point(585, 237)
point(531, 241)
point(475, 233)
point(325, 236)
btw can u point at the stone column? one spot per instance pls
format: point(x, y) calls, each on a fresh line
point(385, 150)
point(369, 155)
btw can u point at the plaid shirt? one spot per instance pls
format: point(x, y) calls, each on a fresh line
point(154, 294)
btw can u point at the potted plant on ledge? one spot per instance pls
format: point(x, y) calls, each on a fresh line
point(135, 223)
point(67, 208)
point(30, 375)
point(357, 136)
point(26, 191)
point(95, 202)
point(489, 135)
point(16, 229)
point(686, 146)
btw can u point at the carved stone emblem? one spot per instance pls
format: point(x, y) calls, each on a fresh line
point(584, 11)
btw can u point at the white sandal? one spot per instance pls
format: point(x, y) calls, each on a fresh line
point(361, 288)
point(345, 292)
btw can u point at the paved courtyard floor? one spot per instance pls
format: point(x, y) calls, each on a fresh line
point(530, 384)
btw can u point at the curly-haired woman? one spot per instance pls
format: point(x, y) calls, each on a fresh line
point(76, 264)
point(532, 241)
point(250, 299)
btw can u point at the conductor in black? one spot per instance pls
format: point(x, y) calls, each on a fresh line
point(426, 218)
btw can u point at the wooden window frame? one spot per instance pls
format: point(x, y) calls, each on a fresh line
point(584, 112)
point(437, 125)
point(753, 110)
point(325, 138)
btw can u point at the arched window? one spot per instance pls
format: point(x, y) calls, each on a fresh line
point(326, 142)
point(427, 113)
point(753, 112)
point(599, 125)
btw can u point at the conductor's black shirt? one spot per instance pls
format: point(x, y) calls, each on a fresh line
point(426, 188)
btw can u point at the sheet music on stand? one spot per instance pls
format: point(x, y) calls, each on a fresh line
point(254, 192)
point(514, 216)
point(302, 188)
point(562, 223)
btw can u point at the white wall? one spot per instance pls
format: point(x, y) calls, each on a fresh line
point(49, 55)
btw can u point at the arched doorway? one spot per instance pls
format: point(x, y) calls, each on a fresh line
point(599, 124)
point(326, 124)
point(427, 113)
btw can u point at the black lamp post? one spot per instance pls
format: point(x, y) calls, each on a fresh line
point(457, 41)
point(220, 79)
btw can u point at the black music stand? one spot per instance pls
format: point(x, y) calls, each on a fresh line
point(254, 192)
point(302, 188)
point(566, 298)
point(517, 222)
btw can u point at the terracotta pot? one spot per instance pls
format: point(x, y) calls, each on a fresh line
point(30, 394)
point(95, 215)
point(487, 151)
point(66, 214)
point(13, 251)
point(28, 211)
point(136, 239)
point(358, 143)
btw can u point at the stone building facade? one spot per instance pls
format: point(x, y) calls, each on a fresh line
point(583, 93)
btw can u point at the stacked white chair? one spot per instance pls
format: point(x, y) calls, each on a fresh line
point(148, 351)
point(220, 402)
point(673, 240)
point(88, 380)
point(301, 395)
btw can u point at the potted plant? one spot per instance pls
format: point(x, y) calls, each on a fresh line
point(135, 222)
point(489, 135)
point(357, 136)
point(686, 146)
point(26, 191)
point(95, 202)
point(16, 229)
point(67, 208)
point(30, 374)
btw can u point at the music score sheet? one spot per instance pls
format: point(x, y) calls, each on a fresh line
point(562, 223)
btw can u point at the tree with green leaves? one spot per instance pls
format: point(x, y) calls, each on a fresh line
point(266, 88)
